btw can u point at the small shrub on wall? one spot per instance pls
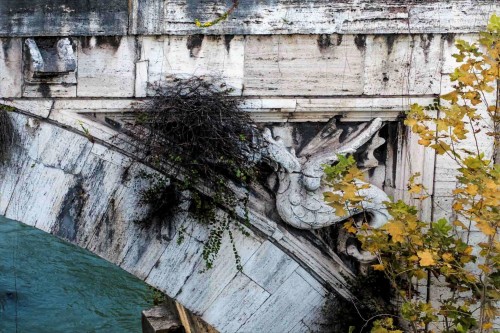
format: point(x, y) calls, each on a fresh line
point(194, 130)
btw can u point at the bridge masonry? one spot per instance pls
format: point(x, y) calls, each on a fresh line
point(294, 62)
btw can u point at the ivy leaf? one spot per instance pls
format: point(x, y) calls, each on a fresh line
point(420, 274)
point(378, 267)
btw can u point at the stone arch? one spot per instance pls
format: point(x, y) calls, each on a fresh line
point(87, 192)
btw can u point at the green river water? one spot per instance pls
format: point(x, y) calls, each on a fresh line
point(47, 285)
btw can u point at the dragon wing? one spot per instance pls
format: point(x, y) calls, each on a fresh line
point(327, 144)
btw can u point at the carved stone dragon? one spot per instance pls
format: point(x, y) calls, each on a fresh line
point(299, 198)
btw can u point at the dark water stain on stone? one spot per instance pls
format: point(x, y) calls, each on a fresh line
point(227, 41)
point(449, 37)
point(360, 41)
point(347, 128)
point(6, 46)
point(324, 42)
point(425, 44)
point(103, 42)
point(44, 89)
point(390, 39)
point(194, 44)
point(106, 223)
point(339, 39)
point(67, 226)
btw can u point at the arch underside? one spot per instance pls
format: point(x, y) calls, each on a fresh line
point(88, 193)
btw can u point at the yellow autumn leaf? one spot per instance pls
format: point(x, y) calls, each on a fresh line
point(465, 67)
point(378, 267)
point(424, 142)
point(349, 226)
point(339, 208)
point(467, 79)
point(487, 326)
point(490, 312)
point(416, 188)
point(470, 277)
point(350, 192)
point(471, 189)
point(396, 229)
point(457, 223)
point(484, 268)
point(441, 147)
point(447, 257)
point(485, 228)
point(416, 240)
point(442, 125)
point(465, 259)
point(460, 132)
point(410, 122)
point(492, 109)
point(458, 206)
point(452, 96)
point(426, 258)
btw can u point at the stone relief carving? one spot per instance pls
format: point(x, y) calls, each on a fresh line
point(52, 60)
point(299, 197)
point(299, 188)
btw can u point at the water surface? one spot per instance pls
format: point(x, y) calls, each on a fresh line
point(47, 285)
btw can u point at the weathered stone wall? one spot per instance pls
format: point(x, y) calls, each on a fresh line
point(292, 61)
point(290, 78)
point(264, 17)
point(284, 78)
